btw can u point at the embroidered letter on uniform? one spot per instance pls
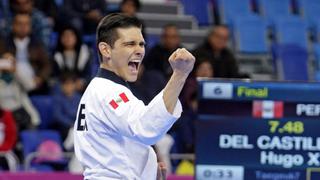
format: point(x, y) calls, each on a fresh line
point(115, 102)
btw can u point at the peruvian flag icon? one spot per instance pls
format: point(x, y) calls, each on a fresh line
point(267, 109)
point(115, 102)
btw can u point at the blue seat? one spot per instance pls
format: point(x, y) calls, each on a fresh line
point(89, 39)
point(316, 50)
point(31, 139)
point(230, 9)
point(291, 62)
point(291, 30)
point(95, 64)
point(250, 35)
point(273, 9)
point(310, 10)
point(201, 9)
point(53, 41)
point(43, 103)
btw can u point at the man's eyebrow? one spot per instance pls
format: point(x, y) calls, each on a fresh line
point(134, 42)
point(129, 42)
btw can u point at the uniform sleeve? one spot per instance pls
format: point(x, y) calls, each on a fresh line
point(127, 115)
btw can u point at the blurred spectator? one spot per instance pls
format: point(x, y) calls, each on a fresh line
point(8, 131)
point(65, 104)
point(14, 98)
point(130, 7)
point(33, 66)
point(49, 8)
point(84, 14)
point(157, 57)
point(8, 136)
point(215, 49)
point(40, 26)
point(74, 56)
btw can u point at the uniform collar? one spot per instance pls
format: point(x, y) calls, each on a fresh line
point(104, 73)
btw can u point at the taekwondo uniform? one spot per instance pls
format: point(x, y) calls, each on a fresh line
point(114, 131)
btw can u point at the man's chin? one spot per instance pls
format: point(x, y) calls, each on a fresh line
point(132, 78)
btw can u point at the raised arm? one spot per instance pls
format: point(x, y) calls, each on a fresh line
point(182, 62)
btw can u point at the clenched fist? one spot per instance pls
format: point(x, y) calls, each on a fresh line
point(182, 61)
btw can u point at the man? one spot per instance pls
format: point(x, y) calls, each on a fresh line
point(40, 24)
point(114, 130)
point(215, 49)
point(157, 58)
point(33, 65)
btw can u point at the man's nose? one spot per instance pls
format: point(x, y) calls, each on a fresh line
point(140, 50)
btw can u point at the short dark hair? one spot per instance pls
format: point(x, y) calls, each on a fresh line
point(59, 46)
point(107, 28)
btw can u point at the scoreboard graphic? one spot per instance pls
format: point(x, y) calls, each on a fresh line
point(258, 130)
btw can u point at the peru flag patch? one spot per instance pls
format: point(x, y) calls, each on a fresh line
point(114, 103)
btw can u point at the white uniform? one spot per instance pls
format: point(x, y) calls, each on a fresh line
point(114, 130)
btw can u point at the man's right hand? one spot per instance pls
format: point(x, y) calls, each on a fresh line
point(182, 61)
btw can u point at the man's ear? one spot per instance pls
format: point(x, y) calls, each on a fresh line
point(105, 49)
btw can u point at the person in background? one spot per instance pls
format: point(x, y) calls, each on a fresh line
point(83, 14)
point(8, 131)
point(32, 60)
point(50, 9)
point(65, 104)
point(157, 56)
point(13, 96)
point(41, 27)
point(130, 7)
point(8, 136)
point(215, 48)
point(74, 56)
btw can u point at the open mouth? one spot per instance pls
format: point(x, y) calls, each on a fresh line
point(134, 64)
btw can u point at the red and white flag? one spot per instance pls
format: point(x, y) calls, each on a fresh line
point(267, 109)
point(115, 102)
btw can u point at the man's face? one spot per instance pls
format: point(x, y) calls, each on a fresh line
point(21, 26)
point(127, 53)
